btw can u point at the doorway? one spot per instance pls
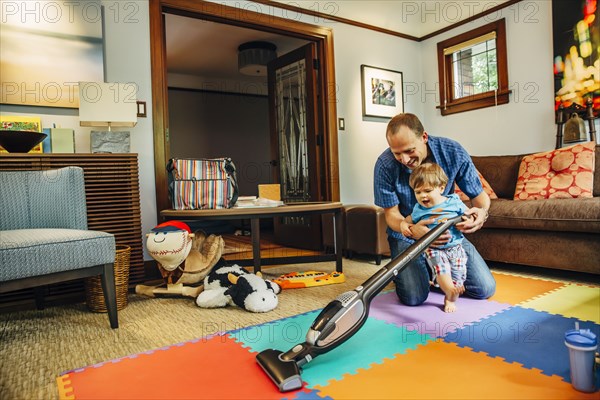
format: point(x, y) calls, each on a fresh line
point(322, 37)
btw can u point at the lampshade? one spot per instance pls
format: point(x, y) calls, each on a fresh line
point(253, 57)
point(107, 104)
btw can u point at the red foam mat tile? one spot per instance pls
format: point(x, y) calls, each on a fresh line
point(214, 368)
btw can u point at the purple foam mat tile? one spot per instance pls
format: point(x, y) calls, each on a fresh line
point(429, 317)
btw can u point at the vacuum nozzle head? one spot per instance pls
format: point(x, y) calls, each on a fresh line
point(284, 373)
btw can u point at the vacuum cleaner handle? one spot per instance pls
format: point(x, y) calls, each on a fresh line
point(381, 278)
point(341, 318)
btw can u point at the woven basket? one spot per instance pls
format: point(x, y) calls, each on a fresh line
point(94, 295)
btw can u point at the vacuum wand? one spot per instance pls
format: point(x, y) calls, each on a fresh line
point(341, 318)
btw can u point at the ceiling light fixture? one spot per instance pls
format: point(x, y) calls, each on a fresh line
point(253, 57)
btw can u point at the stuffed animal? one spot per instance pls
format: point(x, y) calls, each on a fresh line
point(233, 285)
point(183, 258)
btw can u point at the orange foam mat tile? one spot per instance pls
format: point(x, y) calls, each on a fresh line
point(420, 374)
point(513, 289)
point(213, 368)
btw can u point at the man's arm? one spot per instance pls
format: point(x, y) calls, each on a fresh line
point(394, 220)
point(479, 211)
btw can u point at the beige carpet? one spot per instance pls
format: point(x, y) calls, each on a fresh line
point(36, 346)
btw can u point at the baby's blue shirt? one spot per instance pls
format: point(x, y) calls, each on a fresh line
point(451, 207)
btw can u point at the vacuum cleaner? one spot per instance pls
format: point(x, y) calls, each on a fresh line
point(341, 318)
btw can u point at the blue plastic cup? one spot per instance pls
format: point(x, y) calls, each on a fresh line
point(582, 344)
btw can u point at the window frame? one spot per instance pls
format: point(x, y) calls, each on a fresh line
point(448, 104)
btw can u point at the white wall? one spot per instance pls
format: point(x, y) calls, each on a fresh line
point(127, 49)
point(127, 39)
point(363, 140)
point(518, 127)
point(526, 123)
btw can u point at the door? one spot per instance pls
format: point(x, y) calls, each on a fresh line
point(296, 145)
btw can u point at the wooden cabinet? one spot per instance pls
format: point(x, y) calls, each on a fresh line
point(113, 205)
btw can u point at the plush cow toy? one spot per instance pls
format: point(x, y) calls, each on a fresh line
point(233, 285)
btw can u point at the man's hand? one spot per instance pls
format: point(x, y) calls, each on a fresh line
point(405, 228)
point(473, 220)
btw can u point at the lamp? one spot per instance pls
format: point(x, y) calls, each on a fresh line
point(253, 57)
point(108, 105)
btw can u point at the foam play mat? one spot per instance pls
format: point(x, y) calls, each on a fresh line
point(510, 346)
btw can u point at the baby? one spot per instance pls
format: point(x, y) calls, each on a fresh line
point(448, 262)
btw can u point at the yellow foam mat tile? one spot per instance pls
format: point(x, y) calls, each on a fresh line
point(572, 300)
point(419, 374)
point(514, 289)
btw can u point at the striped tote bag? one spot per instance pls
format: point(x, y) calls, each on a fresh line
point(198, 184)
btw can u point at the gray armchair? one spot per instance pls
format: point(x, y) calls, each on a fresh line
point(44, 237)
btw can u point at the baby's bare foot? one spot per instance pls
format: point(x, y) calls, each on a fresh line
point(449, 306)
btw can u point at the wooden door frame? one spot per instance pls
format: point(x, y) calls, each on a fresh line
point(249, 19)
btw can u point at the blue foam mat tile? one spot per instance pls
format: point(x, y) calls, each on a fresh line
point(310, 394)
point(532, 338)
point(373, 343)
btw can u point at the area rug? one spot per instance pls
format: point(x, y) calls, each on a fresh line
point(510, 346)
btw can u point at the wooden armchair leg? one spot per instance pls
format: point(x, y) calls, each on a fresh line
point(38, 293)
point(110, 294)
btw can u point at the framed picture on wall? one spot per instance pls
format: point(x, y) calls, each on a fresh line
point(576, 39)
point(46, 49)
point(382, 94)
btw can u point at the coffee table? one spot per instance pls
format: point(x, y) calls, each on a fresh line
point(255, 214)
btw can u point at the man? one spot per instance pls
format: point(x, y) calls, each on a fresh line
point(409, 147)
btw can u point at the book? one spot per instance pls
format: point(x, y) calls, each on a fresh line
point(258, 202)
point(47, 143)
point(62, 140)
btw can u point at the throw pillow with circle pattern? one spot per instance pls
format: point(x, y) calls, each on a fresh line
point(561, 173)
point(486, 188)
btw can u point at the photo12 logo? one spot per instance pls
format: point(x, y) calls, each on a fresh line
point(455, 11)
point(52, 12)
point(41, 11)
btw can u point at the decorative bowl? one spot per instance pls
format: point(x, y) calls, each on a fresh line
point(20, 141)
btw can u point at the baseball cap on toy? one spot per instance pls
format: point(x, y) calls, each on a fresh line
point(169, 244)
point(172, 226)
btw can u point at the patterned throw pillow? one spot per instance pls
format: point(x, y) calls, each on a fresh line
point(561, 173)
point(486, 188)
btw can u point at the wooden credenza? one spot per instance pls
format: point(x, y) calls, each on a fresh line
point(113, 205)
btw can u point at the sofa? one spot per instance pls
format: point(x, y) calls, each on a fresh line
point(559, 233)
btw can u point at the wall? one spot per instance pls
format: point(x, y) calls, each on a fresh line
point(363, 140)
point(210, 125)
point(526, 123)
point(514, 128)
point(127, 47)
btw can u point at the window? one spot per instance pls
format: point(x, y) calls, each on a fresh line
point(473, 70)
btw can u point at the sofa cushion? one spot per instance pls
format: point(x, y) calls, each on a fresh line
point(486, 188)
point(36, 252)
point(563, 173)
point(566, 215)
point(501, 172)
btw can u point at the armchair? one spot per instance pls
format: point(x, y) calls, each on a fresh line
point(44, 237)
